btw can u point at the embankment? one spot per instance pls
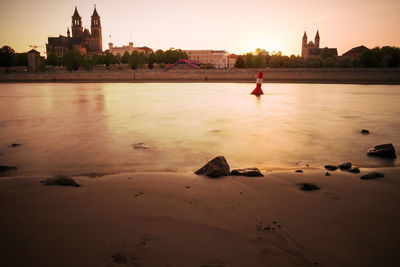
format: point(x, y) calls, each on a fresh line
point(307, 75)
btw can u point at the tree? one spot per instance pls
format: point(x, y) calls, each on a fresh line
point(371, 58)
point(259, 60)
point(329, 62)
point(72, 60)
point(249, 60)
point(151, 59)
point(346, 62)
point(137, 59)
point(313, 62)
point(125, 58)
point(6, 56)
point(239, 62)
point(20, 59)
point(87, 63)
point(117, 58)
point(52, 60)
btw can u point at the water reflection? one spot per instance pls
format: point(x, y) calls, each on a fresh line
point(79, 128)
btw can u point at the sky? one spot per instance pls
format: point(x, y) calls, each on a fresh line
point(232, 25)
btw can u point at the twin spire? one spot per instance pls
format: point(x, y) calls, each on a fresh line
point(77, 16)
point(316, 35)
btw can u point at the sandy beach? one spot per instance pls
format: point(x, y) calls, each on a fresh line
point(172, 219)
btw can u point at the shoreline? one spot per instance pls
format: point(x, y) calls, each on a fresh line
point(295, 75)
point(175, 219)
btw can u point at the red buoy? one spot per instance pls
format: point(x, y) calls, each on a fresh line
point(258, 91)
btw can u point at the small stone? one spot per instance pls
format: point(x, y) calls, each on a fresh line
point(364, 131)
point(344, 166)
point(372, 175)
point(327, 174)
point(7, 168)
point(331, 167)
point(383, 151)
point(120, 258)
point(249, 172)
point(15, 145)
point(298, 170)
point(60, 180)
point(187, 187)
point(215, 168)
point(140, 145)
point(308, 187)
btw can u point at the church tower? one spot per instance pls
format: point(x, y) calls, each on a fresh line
point(95, 27)
point(304, 45)
point(316, 40)
point(76, 27)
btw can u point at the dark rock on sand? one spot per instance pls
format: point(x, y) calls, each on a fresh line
point(364, 131)
point(345, 166)
point(331, 167)
point(7, 168)
point(308, 187)
point(15, 145)
point(215, 168)
point(298, 171)
point(353, 170)
point(140, 145)
point(250, 172)
point(120, 258)
point(372, 175)
point(60, 180)
point(383, 151)
point(327, 174)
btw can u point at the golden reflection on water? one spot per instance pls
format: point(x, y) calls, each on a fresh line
point(77, 128)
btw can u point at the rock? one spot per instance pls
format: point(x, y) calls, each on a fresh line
point(15, 145)
point(7, 168)
point(250, 172)
point(60, 180)
point(308, 187)
point(327, 174)
point(353, 170)
point(345, 166)
point(372, 175)
point(331, 167)
point(140, 145)
point(298, 171)
point(383, 151)
point(364, 131)
point(215, 168)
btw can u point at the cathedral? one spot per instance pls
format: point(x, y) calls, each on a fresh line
point(82, 40)
point(312, 48)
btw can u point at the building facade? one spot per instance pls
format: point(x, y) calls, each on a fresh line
point(312, 48)
point(217, 58)
point(82, 40)
point(128, 48)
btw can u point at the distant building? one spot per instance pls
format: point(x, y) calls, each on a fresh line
point(217, 58)
point(82, 40)
point(312, 49)
point(34, 60)
point(128, 48)
point(232, 60)
point(355, 52)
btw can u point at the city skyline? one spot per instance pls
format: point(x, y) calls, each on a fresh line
point(234, 26)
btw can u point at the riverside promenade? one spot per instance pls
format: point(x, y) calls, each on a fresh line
point(295, 75)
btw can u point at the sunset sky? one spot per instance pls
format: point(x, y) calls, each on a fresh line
point(232, 25)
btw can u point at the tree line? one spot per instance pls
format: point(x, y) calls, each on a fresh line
point(385, 57)
point(73, 60)
point(9, 58)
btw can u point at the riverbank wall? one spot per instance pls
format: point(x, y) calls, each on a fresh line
point(298, 75)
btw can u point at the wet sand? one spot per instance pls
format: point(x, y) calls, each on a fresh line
point(171, 219)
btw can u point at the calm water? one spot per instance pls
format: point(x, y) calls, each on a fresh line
point(80, 128)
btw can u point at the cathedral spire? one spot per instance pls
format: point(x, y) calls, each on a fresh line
point(76, 14)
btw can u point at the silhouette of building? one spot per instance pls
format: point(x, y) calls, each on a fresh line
point(34, 60)
point(312, 48)
point(128, 48)
point(355, 52)
point(82, 40)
